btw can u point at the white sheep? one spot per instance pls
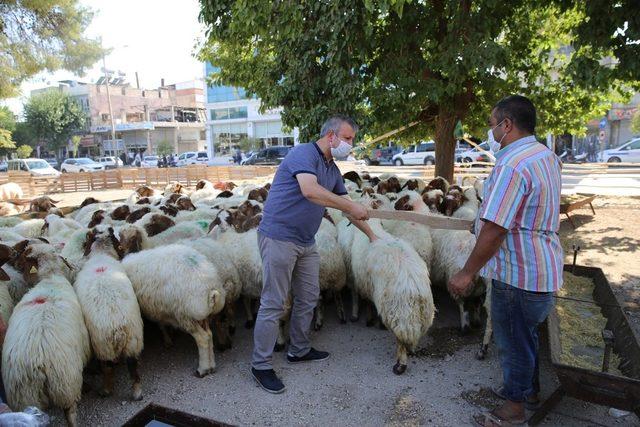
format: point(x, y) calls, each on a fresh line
point(110, 308)
point(47, 345)
point(8, 209)
point(176, 285)
point(333, 271)
point(470, 205)
point(391, 274)
point(9, 221)
point(29, 228)
point(10, 190)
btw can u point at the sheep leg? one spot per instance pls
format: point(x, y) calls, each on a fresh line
point(401, 354)
point(166, 336)
point(107, 378)
point(204, 339)
point(488, 328)
point(71, 414)
point(132, 366)
point(221, 338)
point(319, 315)
point(230, 315)
point(340, 307)
point(355, 309)
point(246, 301)
point(464, 318)
point(371, 314)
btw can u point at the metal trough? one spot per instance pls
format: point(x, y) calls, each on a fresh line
point(602, 388)
point(156, 415)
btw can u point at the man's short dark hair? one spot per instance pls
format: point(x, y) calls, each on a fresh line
point(519, 110)
point(334, 123)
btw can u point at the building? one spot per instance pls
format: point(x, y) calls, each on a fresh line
point(233, 117)
point(143, 118)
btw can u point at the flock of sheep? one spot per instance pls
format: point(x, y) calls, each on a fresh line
point(79, 286)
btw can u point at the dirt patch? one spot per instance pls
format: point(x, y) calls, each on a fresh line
point(483, 397)
point(445, 342)
point(406, 411)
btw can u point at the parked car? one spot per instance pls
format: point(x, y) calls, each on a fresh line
point(80, 164)
point(109, 162)
point(476, 155)
point(423, 153)
point(52, 161)
point(268, 156)
point(36, 167)
point(3, 166)
point(192, 158)
point(149, 162)
point(375, 156)
point(627, 152)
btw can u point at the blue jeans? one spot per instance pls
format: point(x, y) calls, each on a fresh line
point(516, 315)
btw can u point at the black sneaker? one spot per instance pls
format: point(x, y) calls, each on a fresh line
point(312, 356)
point(268, 380)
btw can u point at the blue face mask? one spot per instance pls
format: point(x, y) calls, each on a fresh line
point(494, 145)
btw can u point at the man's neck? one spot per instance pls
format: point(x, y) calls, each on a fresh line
point(325, 147)
point(515, 138)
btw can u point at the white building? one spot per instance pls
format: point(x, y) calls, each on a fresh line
point(232, 117)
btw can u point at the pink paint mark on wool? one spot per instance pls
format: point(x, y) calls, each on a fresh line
point(101, 269)
point(38, 300)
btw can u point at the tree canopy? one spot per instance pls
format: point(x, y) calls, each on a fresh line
point(54, 116)
point(38, 35)
point(7, 126)
point(392, 62)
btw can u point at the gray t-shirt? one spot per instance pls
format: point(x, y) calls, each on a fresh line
point(288, 215)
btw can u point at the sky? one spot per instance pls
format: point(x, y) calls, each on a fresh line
point(154, 38)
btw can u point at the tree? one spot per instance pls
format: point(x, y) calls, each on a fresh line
point(75, 143)
point(7, 126)
point(24, 151)
point(393, 62)
point(164, 148)
point(249, 144)
point(24, 135)
point(40, 35)
point(635, 121)
point(54, 116)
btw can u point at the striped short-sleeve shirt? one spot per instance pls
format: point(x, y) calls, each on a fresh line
point(522, 195)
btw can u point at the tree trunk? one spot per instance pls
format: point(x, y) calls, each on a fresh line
point(445, 144)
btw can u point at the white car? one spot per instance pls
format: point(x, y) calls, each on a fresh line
point(36, 167)
point(476, 155)
point(627, 152)
point(192, 158)
point(109, 162)
point(423, 153)
point(81, 164)
point(149, 162)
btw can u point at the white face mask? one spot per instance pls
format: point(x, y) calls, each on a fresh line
point(494, 145)
point(342, 150)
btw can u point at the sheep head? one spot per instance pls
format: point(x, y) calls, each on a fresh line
point(7, 253)
point(225, 194)
point(121, 213)
point(96, 218)
point(158, 224)
point(143, 201)
point(42, 204)
point(403, 204)
point(433, 199)
point(169, 210)
point(145, 191)
point(105, 240)
point(136, 215)
point(353, 177)
point(258, 194)
point(201, 184)
point(130, 239)
point(32, 256)
point(184, 203)
point(89, 201)
point(438, 183)
point(249, 209)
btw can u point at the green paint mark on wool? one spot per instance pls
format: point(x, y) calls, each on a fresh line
point(203, 224)
point(193, 260)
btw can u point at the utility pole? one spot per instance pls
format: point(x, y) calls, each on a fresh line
point(113, 126)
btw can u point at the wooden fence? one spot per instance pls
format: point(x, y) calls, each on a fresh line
point(130, 178)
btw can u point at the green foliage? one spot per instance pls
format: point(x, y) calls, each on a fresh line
point(249, 144)
point(24, 151)
point(392, 62)
point(7, 119)
point(39, 35)
point(635, 121)
point(54, 116)
point(24, 135)
point(75, 143)
point(6, 142)
point(164, 148)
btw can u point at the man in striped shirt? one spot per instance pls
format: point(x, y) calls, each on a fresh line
point(518, 247)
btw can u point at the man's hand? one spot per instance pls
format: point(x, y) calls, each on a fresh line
point(460, 284)
point(358, 212)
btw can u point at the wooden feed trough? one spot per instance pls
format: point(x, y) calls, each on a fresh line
point(573, 204)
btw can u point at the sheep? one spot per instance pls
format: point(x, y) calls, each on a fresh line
point(453, 199)
point(10, 221)
point(204, 189)
point(59, 229)
point(73, 249)
point(42, 204)
point(469, 207)
point(417, 235)
point(353, 177)
point(47, 343)
point(174, 187)
point(178, 286)
point(391, 274)
point(333, 271)
point(141, 192)
point(84, 214)
point(433, 199)
point(9, 236)
point(89, 201)
point(29, 228)
point(10, 190)
point(6, 301)
point(8, 208)
point(438, 183)
point(110, 308)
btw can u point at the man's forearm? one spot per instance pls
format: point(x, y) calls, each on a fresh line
point(364, 227)
point(323, 197)
point(489, 241)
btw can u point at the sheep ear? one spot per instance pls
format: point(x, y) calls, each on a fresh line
point(4, 276)
point(216, 232)
point(20, 246)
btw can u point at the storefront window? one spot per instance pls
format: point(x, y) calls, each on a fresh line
point(226, 136)
point(229, 113)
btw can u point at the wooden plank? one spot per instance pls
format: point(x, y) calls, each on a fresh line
point(433, 221)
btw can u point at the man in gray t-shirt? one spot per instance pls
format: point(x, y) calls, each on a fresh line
point(307, 181)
